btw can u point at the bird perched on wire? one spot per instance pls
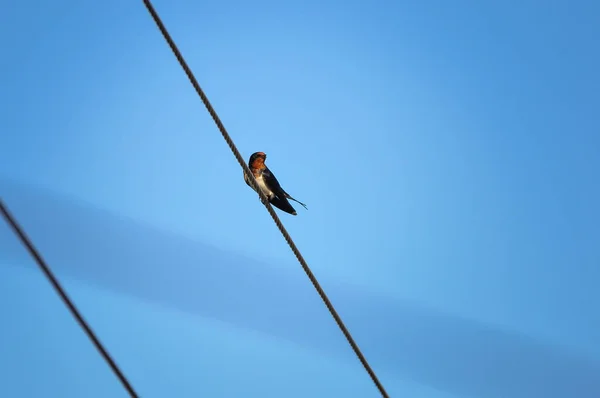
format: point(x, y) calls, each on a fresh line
point(268, 183)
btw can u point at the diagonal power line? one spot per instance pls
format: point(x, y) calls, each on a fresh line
point(65, 298)
point(263, 198)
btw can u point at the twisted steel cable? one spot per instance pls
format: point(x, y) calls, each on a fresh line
point(18, 230)
point(263, 197)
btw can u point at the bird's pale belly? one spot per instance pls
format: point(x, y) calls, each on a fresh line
point(263, 186)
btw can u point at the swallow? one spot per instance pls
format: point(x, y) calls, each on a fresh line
point(268, 184)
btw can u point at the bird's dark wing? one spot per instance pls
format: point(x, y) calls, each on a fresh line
point(280, 199)
point(283, 204)
point(277, 188)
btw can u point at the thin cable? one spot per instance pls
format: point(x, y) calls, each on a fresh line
point(263, 198)
point(65, 298)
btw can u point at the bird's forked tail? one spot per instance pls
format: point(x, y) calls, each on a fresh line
point(287, 195)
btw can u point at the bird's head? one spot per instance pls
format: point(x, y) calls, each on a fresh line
point(257, 160)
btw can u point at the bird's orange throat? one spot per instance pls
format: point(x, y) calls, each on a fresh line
point(258, 164)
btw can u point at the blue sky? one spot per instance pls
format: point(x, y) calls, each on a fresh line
point(448, 154)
